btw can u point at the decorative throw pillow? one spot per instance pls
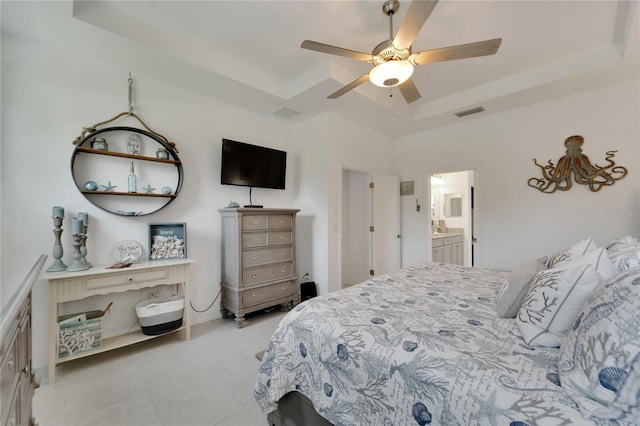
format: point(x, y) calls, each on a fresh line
point(624, 253)
point(623, 241)
point(553, 301)
point(578, 249)
point(625, 408)
point(515, 287)
point(597, 258)
point(598, 352)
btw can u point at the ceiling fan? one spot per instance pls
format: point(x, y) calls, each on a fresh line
point(393, 58)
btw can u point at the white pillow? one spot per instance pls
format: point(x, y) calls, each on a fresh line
point(597, 258)
point(515, 287)
point(553, 301)
point(575, 251)
point(602, 349)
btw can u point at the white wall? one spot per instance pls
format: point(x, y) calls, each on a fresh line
point(49, 94)
point(518, 222)
point(311, 162)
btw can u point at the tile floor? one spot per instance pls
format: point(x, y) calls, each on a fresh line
point(166, 381)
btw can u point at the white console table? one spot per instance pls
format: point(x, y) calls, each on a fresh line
point(68, 286)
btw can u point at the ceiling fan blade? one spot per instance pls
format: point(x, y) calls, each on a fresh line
point(461, 51)
point(417, 14)
point(333, 50)
point(409, 91)
point(355, 83)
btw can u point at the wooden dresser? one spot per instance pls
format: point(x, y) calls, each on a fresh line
point(258, 260)
point(17, 381)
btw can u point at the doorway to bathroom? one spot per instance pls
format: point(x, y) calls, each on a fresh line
point(454, 218)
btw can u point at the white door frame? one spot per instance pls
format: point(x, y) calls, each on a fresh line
point(368, 213)
point(476, 212)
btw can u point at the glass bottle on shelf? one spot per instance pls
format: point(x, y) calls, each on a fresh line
point(133, 180)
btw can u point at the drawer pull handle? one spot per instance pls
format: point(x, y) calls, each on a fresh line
point(254, 276)
point(10, 364)
point(130, 279)
point(282, 288)
point(283, 271)
point(253, 295)
point(253, 258)
point(283, 254)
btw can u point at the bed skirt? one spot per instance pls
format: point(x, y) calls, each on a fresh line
point(295, 409)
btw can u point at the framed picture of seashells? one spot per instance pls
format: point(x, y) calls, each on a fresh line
point(167, 241)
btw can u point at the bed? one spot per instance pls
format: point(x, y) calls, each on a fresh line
point(420, 346)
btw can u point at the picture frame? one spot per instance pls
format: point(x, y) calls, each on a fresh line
point(406, 188)
point(167, 241)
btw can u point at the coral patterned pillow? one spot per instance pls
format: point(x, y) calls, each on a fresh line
point(575, 251)
point(553, 301)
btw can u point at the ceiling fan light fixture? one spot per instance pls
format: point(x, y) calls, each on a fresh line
point(391, 73)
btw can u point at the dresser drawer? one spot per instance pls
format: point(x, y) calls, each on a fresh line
point(268, 255)
point(264, 294)
point(280, 237)
point(264, 239)
point(268, 273)
point(250, 222)
point(126, 278)
point(255, 239)
point(281, 221)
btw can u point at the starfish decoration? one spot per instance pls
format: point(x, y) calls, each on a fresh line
point(148, 189)
point(489, 410)
point(108, 187)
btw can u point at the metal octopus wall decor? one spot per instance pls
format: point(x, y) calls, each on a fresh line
point(558, 177)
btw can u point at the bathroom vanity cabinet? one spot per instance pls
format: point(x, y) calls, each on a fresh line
point(448, 249)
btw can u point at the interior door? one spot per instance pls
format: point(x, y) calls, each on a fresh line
point(385, 224)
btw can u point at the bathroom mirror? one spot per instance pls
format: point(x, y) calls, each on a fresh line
point(453, 204)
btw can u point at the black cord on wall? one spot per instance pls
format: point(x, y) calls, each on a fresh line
point(208, 307)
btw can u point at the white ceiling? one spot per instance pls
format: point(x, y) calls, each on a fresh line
point(248, 53)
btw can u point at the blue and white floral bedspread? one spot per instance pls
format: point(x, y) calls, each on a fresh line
point(420, 346)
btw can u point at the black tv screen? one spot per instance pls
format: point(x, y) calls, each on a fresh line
point(251, 165)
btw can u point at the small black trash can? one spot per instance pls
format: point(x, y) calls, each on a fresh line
point(308, 290)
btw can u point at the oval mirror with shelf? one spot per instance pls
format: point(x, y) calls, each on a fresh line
point(110, 169)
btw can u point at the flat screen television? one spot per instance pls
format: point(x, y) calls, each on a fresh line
point(253, 166)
